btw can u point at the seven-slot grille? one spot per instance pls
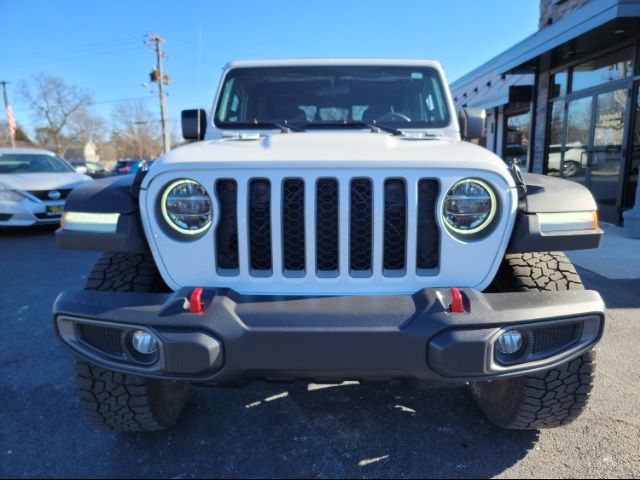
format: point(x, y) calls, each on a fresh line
point(278, 235)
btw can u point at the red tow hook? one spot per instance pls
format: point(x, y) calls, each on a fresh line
point(195, 301)
point(456, 301)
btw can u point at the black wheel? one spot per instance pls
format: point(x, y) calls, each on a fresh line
point(550, 398)
point(124, 402)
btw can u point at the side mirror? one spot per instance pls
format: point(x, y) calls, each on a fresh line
point(194, 124)
point(471, 123)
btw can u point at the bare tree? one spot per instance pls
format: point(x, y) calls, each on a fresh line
point(136, 130)
point(56, 107)
point(84, 126)
point(21, 140)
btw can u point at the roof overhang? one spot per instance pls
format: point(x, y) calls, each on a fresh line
point(509, 90)
point(594, 26)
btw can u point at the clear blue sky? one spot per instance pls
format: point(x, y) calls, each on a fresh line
point(98, 45)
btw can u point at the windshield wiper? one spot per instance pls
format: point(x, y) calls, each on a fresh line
point(285, 127)
point(375, 127)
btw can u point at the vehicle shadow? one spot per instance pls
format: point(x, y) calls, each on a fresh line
point(34, 231)
point(615, 293)
point(300, 430)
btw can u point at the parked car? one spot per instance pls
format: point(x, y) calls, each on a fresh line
point(575, 159)
point(126, 167)
point(332, 226)
point(93, 169)
point(34, 185)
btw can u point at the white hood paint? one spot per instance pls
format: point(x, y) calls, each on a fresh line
point(330, 150)
point(43, 181)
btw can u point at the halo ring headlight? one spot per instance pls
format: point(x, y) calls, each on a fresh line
point(187, 207)
point(469, 207)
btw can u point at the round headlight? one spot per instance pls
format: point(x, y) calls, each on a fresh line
point(186, 207)
point(469, 207)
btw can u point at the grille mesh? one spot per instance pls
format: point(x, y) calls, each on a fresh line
point(44, 194)
point(227, 230)
point(327, 225)
point(105, 339)
point(293, 224)
point(428, 233)
point(361, 237)
point(395, 224)
point(260, 224)
point(551, 338)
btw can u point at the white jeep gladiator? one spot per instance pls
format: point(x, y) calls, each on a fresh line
point(328, 222)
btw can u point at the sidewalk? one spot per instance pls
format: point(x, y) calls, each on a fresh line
point(618, 258)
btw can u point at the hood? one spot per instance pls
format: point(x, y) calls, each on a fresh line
point(361, 149)
point(43, 181)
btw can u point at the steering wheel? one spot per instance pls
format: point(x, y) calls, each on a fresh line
point(393, 117)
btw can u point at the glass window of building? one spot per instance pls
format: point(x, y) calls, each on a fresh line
point(576, 145)
point(559, 84)
point(554, 150)
point(632, 184)
point(607, 68)
point(517, 138)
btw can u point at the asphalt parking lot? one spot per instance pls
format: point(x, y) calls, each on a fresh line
point(291, 431)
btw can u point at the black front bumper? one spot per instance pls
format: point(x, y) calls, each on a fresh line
point(240, 337)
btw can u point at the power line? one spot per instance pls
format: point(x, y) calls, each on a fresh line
point(72, 57)
point(103, 102)
point(70, 51)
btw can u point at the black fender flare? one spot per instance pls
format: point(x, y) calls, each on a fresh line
point(118, 194)
point(545, 194)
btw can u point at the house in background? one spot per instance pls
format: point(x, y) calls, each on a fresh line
point(87, 152)
point(565, 100)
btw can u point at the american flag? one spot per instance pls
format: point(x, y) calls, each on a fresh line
point(11, 121)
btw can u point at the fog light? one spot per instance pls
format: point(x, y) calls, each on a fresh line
point(509, 342)
point(144, 342)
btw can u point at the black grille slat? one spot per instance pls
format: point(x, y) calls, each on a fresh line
point(260, 225)
point(291, 240)
point(549, 339)
point(106, 339)
point(361, 225)
point(395, 224)
point(327, 225)
point(428, 234)
point(227, 229)
point(293, 224)
point(44, 194)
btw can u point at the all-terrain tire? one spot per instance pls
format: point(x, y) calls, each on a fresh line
point(550, 398)
point(124, 402)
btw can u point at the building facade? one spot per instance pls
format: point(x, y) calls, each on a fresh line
point(565, 101)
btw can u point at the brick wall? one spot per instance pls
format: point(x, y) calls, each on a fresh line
point(553, 10)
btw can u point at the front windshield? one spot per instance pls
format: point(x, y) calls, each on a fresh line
point(401, 97)
point(32, 163)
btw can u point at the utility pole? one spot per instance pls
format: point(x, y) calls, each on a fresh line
point(10, 120)
point(155, 43)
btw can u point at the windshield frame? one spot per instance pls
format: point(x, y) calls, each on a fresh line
point(432, 71)
point(57, 159)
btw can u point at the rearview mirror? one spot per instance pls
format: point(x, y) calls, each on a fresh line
point(471, 123)
point(194, 124)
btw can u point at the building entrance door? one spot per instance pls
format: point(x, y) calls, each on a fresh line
point(593, 147)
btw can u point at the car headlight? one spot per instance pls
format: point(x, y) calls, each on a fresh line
point(469, 207)
point(7, 195)
point(186, 207)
